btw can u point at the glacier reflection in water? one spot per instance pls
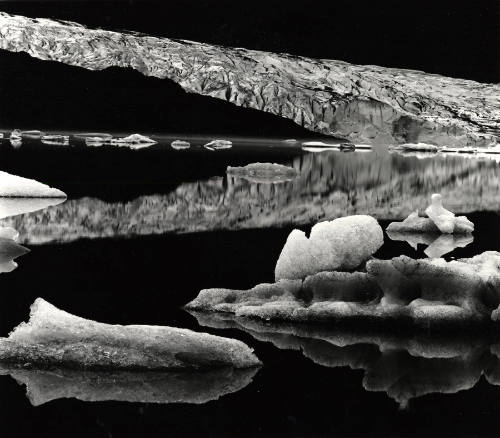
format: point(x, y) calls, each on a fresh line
point(403, 366)
point(329, 185)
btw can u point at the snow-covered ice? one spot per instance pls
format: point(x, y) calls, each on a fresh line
point(19, 187)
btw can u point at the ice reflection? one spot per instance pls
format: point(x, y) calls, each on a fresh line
point(9, 250)
point(43, 386)
point(437, 244)
point(402, 366)
point(328, 185)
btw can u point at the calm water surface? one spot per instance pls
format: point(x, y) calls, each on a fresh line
point(143, 231)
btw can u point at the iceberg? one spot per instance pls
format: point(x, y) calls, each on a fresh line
point(341, 244)
point(263, 172)
point(180, 144)
point(134, 141)
point(53, 337)
point(219, 144)
point(16, 134)
point(12, 186)
point(195, 387)
point(419, 293)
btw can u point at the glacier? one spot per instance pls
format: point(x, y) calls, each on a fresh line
point(366, 104)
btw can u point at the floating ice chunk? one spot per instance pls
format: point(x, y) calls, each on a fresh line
point(18, 187)
point(134, 141)
point(16, 206)
point(347, 146)
point(1, 135)
point(94, 141)
point(290, 140)
point(56, 139)
point(423, 147)
point(219, 144)
point(180, 144)
point(32, 134)
point(101, 135)
point(16, 134)
point(53, 337)
point(9, 250)
point(196, 387)
point(319, 149)
point(445, 220)
point(341, 244)
point(263, 172)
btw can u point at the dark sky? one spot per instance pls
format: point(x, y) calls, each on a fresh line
point(459, 39)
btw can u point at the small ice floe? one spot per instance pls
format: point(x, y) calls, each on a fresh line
point(438, 220)
point(53, 337)
point(180, 144)
point(18, 187)
point(290, 140)
point(317, 150)
point(218, 144)
point(10, 249)
point(321, 144)
point(56, 139)
point(269, 173)
point(34, 133)
point(347, 147)
point(84, 135)
point(341, 244)
point(134, 141)
point(94, 141)
point(420, 147)
point(16, 134)
point(195, 387)
point(1, 135)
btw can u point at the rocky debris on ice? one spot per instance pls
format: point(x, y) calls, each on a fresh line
point(420, 363)
point(134, 141)
point(195, 387)
point(341, 244)
point(365, 104)
point(180, 144)
point(10, 249)
point(263, 172)
point(438, 220)
point(437, 244)
point(218, 144)
point(18, 187)
point(420, 292)
point(53, 337)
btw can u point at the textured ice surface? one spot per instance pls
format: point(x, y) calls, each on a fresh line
point(18, 187)
point(45, 385)
point(401, 364)
point(263, 172)
point(363, 104)
point(417, 292)
point(18, 206)
point(341, 244)
point(53, 337)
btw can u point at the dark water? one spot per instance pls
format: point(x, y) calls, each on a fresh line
point(143, 231)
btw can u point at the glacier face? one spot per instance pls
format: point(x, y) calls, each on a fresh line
point(368, 104)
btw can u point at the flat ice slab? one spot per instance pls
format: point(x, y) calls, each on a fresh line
point(13, 186)
point(53, 337)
